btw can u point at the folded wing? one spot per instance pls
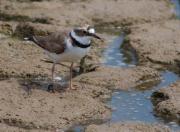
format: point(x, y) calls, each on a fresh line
point(54, 43)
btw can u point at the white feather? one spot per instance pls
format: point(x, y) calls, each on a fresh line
point(71, 53)
point(92, 30)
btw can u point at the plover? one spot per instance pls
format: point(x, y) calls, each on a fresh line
point(66, 46)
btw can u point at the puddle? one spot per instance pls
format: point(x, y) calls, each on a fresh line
point(136, 105)
point(177, 7)
point(114, 56)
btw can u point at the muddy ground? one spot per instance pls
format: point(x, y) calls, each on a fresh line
point(44, 110)
point(167, 101)
point(25, 103)
point(95, 11)
point(157, 43)
point(128, 127)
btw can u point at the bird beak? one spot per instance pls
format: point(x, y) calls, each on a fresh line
point(96, 36)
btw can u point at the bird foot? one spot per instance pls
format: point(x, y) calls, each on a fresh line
point(51, 88)
point(71, 88)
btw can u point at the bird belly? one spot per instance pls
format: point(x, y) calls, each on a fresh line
point(72, 54)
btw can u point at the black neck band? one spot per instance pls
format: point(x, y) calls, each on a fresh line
point(78, 44)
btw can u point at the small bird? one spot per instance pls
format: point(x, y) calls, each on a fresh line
point(66, 46)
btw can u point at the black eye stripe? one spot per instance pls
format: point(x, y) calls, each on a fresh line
point(80, 32)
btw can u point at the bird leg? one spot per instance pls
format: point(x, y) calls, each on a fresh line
point(52, 72)
point(71, 68)
point(51, 86)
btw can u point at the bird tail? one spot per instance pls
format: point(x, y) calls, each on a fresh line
point(30, 38)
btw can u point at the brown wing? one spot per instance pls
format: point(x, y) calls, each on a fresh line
point(54, 43)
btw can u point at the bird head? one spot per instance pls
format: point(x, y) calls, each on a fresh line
point(86, 31)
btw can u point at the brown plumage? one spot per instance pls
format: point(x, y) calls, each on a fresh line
point(54, 43)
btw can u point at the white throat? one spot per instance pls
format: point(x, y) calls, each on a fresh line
point(83, 40)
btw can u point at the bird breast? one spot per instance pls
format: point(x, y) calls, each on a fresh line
point(71, 53)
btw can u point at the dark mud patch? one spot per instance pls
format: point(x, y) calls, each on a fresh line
point(158, 97)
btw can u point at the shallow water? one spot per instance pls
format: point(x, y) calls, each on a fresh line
point(177, 7)
point(113, 55)
point(136, 105)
